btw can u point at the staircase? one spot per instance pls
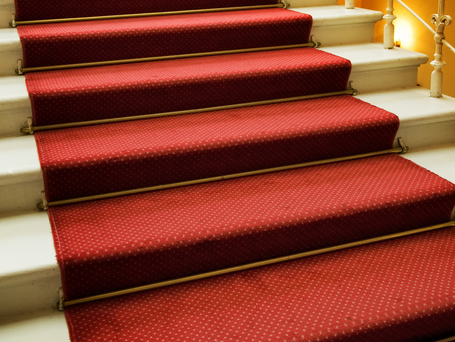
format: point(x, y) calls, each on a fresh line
point(404, 287)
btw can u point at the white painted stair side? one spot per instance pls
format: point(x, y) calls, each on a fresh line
point(50, 325)
point(396, 68)
point(332, 25)
point(335, 25)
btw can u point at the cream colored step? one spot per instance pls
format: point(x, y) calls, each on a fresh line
point(25, 241)
point(373, 68)
point(333, 25)
point(425, 122)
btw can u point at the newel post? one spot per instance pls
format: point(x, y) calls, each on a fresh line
point(389, 29)
point(441, 21)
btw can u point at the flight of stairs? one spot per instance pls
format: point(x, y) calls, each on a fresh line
point(29, 274)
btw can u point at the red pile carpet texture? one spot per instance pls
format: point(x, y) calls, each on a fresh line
point(93, 160)
point(143, 88)
point(398, 291)
point(116, 39)
point(52, 9)
point(134, 240)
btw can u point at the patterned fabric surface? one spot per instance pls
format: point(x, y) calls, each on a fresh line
point(103, 40)
point(154, 87)
point(133, 240)
point(101, 159)
point(398, 291)
point(52, 9)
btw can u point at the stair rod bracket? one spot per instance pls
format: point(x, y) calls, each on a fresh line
point(20, 67)
point(316, 44)
point(61, 300)
point(29, 128)
point(285, 4)
point(44, 205)
point(352, 89)
point(12, 23)
point(404, 148)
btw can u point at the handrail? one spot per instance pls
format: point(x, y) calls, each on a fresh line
point(425, 24)
point(441, 21)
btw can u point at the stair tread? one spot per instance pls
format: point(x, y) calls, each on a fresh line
point(28, 10)
point(161, 86)
point(413, 106)
point(385, 291)
point(181, 148)
point(117, 39)
point(14, 96)
point(178, 232)
point(438, 159)
point(322, 16)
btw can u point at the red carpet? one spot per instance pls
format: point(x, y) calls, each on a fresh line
point(51, 9)
point(398, 291)
point(133, 240)
point(103, 40)
point(165, 150)
point(401, 290)
point(154, 87)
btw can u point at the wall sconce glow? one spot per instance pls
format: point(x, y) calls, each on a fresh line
point(403, 33)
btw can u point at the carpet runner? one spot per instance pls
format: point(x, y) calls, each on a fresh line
point(116, 39)
point(52, 9)
point(129, 241)
point(93, 160)
point(395, 291)
point(73, 95)
point(401, 290)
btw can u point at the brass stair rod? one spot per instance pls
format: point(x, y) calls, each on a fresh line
point(45, 205)
point(31, 129)
point(15, 23)
point(20, 70)
point(62, 304)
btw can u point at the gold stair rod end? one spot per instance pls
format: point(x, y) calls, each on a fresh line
point(404, 148)
point(285, 4)
point(20, 67)
point(316, 44)
point(61, 300)
point(45, 204)
point(29, 128)
point(12, 23)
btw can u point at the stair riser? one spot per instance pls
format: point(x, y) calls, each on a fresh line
point(343, 35)
point(36, 295)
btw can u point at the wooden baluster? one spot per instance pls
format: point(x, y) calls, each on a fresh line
point(441, 21)
point(389, 29)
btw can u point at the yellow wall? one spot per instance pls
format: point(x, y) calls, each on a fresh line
point(414, 36)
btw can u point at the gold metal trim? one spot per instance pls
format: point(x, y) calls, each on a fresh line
point(449, 339)
point(65, 304)
point(30, 129)
point(14, 23)
point(21, 70)
point(45, 205)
